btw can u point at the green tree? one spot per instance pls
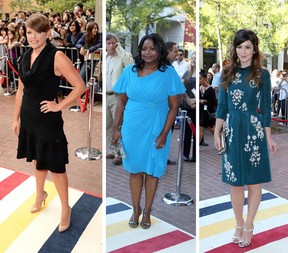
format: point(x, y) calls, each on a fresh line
point(23, 5)
point(220, 19)
point(138, 15)
point(42, 5)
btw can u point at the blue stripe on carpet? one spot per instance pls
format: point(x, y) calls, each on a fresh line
point(82, 213)
point(227, 205)
point(116, 208)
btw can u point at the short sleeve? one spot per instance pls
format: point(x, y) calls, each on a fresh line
point(121, 84)
point(176, 85)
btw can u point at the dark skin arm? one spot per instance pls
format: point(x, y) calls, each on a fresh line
point(174, 103)
point(122, 100)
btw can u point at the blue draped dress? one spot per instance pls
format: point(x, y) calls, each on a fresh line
point(144, 117)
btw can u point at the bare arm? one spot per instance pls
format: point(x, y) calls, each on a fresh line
point(122, 100)
point(17, 106)
point(174, 103)
point(63, 66)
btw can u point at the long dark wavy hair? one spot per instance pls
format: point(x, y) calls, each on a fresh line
point(90, 38)
point(229, 71)
point(160, 47)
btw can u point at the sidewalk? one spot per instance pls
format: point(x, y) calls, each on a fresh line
point(117, 187)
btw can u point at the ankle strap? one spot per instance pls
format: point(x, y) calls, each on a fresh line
point(248, 230)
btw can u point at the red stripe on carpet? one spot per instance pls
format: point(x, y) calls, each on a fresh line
point(259, 240)
point(11, 182)
point(156, 243)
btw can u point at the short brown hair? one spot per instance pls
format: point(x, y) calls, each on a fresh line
point(38, 22)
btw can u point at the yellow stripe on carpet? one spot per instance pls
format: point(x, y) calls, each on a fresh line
point(21, 218)
point(122, 227)
point(228, 224)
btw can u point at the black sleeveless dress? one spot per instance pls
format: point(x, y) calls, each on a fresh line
point(41, 136)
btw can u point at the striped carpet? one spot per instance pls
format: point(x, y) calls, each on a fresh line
point(217, 225)
point(161, 237)
point(21, 231)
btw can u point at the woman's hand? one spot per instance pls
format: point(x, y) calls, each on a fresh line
point(82, 51)
point(49, 106)
point(16, 127)
point(116, 136)
point(160, 141)
point(217, 141)
point(272, 145)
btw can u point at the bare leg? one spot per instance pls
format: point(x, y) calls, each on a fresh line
point(151, 184)
point(61, 184)
point(40, 176)
point(254, 199)
point(237, 200)
point(201, 133)
point(211, 129)
point(136, 185)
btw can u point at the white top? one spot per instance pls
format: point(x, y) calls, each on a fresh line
point(283, 90)
point(181, 67)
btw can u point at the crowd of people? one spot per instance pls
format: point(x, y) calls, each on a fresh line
point(75, 29)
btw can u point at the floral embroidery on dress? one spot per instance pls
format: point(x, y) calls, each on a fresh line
point(252, 84)
point(236, 96)
point(244, 107)
point(258, 126)
point(237, 78)
point(228, 131)
point(250, 146)
point(228, 170)
point(258, 96)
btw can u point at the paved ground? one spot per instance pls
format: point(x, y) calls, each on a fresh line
point(210, 169)
point(117, 186)
point(83, 175)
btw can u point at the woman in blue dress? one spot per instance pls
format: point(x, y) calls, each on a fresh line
point(149, 96)
point(246, 86)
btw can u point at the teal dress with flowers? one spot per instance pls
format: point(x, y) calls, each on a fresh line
point(144, 117)
point(246, 110)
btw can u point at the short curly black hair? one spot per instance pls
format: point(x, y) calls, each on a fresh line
point(160, 47)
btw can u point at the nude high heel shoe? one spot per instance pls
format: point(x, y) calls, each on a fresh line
point(36, 209)
point(236, 239)
point(63, 227)
point(242, 243)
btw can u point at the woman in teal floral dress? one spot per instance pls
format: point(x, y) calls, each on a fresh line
point(244, 111)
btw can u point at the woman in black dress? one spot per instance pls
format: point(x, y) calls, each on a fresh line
point(37, 116)
point(208, 104)
point(189, 80)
